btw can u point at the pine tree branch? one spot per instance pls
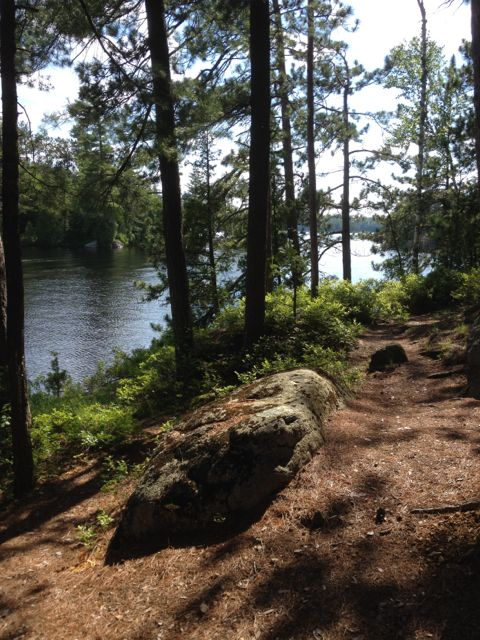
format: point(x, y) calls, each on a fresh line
point(37, 179)
point(126, 161)
point(101, 41)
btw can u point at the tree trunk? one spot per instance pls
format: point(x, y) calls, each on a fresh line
point(4, 396)
point(420, 200)
point(211, 231)
point(3, 308)
point(270, 253)
point(312, 181)
point(258, 208)
point(476, 79)
point(346, 253)
point(292, 223)
point(170, 179)
point(20, 410)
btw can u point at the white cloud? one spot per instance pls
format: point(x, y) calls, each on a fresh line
point(37, 103)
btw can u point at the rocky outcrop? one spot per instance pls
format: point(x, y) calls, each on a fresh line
point(454, 355)
point(227, 459)
point(387, 358)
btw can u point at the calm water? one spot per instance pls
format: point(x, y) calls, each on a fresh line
point(84, 305)
point(331, 262)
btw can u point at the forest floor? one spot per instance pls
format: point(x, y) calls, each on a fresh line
point(337, 555)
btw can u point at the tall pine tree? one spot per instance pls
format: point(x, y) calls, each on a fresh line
point(18, 395)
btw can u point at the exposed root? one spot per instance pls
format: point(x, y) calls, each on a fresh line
point(453, 508)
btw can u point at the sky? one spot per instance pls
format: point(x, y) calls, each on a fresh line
point(386, 23)
point(383, 24)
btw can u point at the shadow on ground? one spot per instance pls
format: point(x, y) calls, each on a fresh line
point(49, 501)
point(314, 594)
point(121, 550)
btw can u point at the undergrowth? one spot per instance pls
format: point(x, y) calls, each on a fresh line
point(103, 413)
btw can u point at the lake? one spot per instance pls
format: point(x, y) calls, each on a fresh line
point(85, 304)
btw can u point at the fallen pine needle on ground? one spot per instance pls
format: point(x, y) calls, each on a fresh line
point(377, 538)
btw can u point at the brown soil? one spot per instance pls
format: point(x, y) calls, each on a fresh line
point(338, 554)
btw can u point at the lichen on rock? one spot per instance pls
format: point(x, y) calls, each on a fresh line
point(227, 459)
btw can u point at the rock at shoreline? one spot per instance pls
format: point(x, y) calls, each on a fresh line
point(387, 358)
point(226, 460)
point(93, 245)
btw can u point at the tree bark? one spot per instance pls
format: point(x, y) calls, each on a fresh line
point(211, 231)
point(258, 208)
point(4, 395)
point(287, 148)
point(170, 179)
point(346, 252)
point(312, 180)
point(3, 308)
point(420, 204)
point(476, 80)
point(20, 410)
point(270, 252)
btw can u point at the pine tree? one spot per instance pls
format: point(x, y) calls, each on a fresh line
point(20, 410)
point(166, 147)
point(259, 174)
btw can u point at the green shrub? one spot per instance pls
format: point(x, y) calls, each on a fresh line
point(441, 285)
point(81, 428)
point(279, 318)
point(328, 361)
point(319, 338)
point(417, 296)
point(113, 472)
point(231, 318)
point(392, 301)
point(468, 290)
point(325, 321)
point(432, 292)
point(87, 534)
point(325, 361)
point(153, 385)
point(267, 367)
point(358, 300)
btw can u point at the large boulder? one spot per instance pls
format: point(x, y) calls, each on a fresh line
point(227, 459)
point(387, 358)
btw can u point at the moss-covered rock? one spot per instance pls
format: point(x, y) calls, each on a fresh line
point(225, 460)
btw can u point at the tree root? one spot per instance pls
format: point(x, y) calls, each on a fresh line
point(465, 506)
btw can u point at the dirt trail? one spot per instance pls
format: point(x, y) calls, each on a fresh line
point(338, 554)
